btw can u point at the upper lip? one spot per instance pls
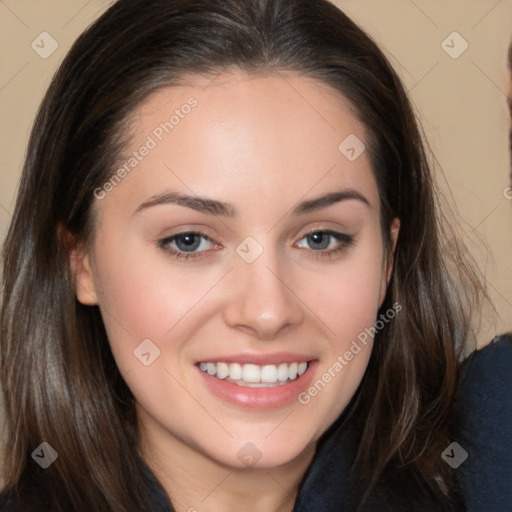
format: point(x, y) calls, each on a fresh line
point(259, 359)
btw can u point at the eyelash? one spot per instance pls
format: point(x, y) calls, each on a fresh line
point(345, 242)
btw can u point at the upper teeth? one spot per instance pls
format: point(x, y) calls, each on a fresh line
point(253, 373)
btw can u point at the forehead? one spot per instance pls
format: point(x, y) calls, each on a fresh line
point(277, 134)
point(273, 98)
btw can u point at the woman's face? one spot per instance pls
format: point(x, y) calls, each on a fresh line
point(286, 270)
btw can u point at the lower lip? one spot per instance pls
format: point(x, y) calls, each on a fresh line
point(259, 398)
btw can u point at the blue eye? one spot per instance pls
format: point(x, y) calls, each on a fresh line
point(334, 242)
point(191, 244)
point(185, 245)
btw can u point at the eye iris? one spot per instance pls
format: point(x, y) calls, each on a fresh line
point(320, 238)
point(190, 240)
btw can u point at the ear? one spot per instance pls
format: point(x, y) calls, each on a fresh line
point(80, 264)
point(393, 237)
point(388, 269)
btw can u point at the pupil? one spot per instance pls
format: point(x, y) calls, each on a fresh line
point(317, 239)
point(187, 241)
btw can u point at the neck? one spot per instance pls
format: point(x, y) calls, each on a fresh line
point(195, 482)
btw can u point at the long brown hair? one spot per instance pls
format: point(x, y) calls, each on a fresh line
point(60, 382)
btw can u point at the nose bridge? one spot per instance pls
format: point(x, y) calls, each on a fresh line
point(262, 301)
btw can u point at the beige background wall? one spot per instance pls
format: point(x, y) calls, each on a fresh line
point(460, 97)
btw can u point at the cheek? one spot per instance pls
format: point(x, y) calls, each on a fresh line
point(348, 298)
point(180, 309)
point(348, 303)
point(143, 297)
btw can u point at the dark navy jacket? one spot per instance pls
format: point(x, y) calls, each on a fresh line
point(482, 453)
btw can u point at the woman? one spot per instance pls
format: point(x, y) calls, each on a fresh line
point(227, 254)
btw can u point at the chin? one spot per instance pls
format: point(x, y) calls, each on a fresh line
point(261, 453)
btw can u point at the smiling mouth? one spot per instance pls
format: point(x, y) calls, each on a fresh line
point(255, 376)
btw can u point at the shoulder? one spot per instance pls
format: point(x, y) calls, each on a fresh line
point(486, 385)
point(330, 483)
point(484, 417)
point(497, 354)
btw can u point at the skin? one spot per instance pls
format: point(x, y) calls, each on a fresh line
point(261, 143)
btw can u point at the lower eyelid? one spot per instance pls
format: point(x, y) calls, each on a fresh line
point(344, 242)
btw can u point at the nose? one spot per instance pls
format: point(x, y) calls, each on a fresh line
point(264, 302)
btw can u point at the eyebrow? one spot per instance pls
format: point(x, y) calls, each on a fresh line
point(220, 208)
